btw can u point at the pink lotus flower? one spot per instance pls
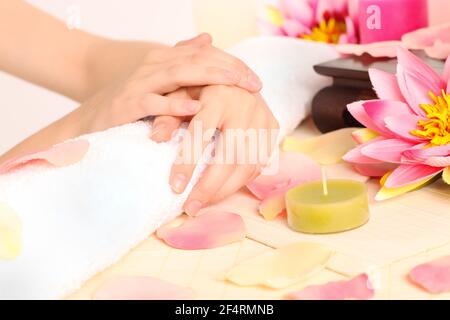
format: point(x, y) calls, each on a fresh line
point(330, 21)
point(412, 120)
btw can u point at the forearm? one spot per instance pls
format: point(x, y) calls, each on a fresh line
point(41, 49)
point(66, 128)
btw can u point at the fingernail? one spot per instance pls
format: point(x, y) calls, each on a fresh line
point(254, 81)
point(232, 76)
point(193, 207)
point(192, 106)
point(178, 182)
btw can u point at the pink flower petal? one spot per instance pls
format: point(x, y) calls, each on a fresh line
point(269, 29)
point(416, 79)
point(409, 174)
point(301, 11)
point(436, 156)
point(385, 49)
point(385, 85)
point(60, 155)
point(379, 110)
point(390, 150)
point(446, 75)
point(402, 125)
point(293, 28)
point(294, 168)
point(374, 170)
point(209, 230)
point(141, 288)
point(357, 110)
point(356, 156)
point(433, 276)
point(358, 288)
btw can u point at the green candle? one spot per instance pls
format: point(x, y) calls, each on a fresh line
point(344, 206)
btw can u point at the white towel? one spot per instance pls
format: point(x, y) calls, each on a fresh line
point(80, 219)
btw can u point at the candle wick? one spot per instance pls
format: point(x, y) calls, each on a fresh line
point(324, 181)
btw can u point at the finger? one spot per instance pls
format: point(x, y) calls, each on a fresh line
point(165, 126)
point(240, 177)
point(211, 181)
point(249, 81)
point(171, 78)
point(199, 40)
point(199, 134)
point(251, 155)
point(154, 105)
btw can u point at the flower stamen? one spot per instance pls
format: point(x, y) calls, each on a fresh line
point(436, 129)
point(328, 30)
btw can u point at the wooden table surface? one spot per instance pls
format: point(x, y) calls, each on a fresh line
point(402, 233)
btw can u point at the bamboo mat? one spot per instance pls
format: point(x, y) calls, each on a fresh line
point(401, 233)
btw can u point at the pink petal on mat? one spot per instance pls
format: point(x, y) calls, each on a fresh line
point(272, 206)
point(209, 230)
point(433, 276)
point(294, 168)
point(60, 155)
point(141, 288)
point(386, 49)
point(358, 288)
point(402, 125)
point(390, 150)
point(409, 174)
point(385, 85)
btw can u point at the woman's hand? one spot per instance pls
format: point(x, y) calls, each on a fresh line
point(143, 93)
point(248, 133)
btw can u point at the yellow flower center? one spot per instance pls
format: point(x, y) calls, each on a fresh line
point(436, 129)
point(328, 30)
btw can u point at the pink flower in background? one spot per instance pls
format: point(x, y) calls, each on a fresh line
point(412, 120)
point(329, 21)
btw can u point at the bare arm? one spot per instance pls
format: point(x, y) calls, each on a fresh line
point(41, 49)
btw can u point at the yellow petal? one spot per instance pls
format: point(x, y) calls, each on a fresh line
point(274, 16)
point(10, 233)
point(282, 267)
point(446, 175)
point(364, 135)
point(326, 149)
point(389, 193)
point(271, 207)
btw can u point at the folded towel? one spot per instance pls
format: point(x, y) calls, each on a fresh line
point(79, 219)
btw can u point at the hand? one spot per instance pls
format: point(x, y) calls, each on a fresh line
point(190, 63)
point(247, 137)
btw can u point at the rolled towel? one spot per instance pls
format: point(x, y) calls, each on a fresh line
point(79, 219)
